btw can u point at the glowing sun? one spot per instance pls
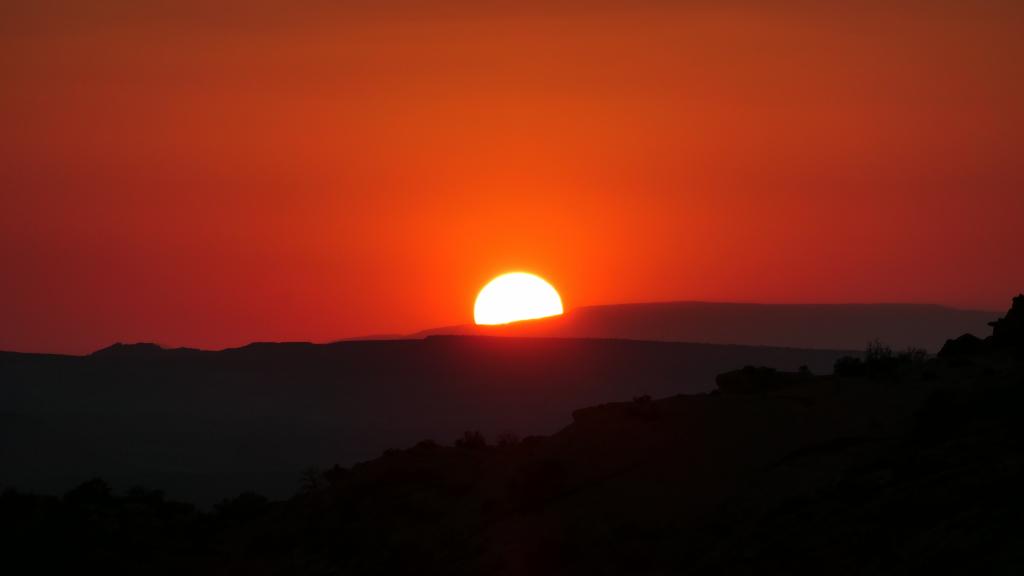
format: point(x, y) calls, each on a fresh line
point(516, 296)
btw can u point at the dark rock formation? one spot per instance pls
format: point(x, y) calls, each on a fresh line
point(760, 379)
point(965, 345)
point(1009, 330)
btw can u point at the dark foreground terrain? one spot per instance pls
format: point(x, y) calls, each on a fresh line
point(202, 425)
point(896, 464)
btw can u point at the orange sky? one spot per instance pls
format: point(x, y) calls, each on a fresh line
point(318, 170)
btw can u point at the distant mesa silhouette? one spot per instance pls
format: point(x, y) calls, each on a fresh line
point(134, 349)
point(825, 326)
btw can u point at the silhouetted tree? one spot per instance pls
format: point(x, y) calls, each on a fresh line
point(849, 367)
point(91, 493)
point(335, 475)
point(877, 353)
point(880, 361)
point(914, 356)
point(506, 439)
point(425, 445)
point(312, 480)
point(242, 509)
point(471, 440)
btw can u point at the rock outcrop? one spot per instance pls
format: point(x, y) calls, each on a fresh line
point(1009, 330)
point(755, 380)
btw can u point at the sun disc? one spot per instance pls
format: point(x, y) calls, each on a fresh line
point(516, 296)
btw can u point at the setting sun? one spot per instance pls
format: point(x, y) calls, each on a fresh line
point(516, 296)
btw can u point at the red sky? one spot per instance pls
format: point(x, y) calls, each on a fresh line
point(209, 177)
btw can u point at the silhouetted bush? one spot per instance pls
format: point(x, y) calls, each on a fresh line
point(312, 480)
point(880, 361)
point(877, 353)
point(914, 356)
point(506, 439)
point(849, 366)
point(471, 440)
point(335, 475)
point(425, 446)
point(242, 509)
point(91, 528)
point(92, 494)
point(643, 408)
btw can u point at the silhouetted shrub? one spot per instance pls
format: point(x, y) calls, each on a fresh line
point(92, 494)
point(877, 353)
point(242, 509)
point(91, 528)
point(336, 475)
point(880, 361)
point(642, 408)
point(506, 439)
point(425, 446)
point(849, 367)
point(531, 440)
point(471, 440)
point(312, 480)
point(914, 356)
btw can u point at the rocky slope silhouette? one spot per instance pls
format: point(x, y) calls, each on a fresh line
point(202, 425)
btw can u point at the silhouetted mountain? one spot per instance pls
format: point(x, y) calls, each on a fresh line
point(204, 424)
point(906, 465)
point(829, 326)
point(136, 350)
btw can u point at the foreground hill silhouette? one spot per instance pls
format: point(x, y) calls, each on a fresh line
point(896, 464)
point(202, 425)
point(829, 326)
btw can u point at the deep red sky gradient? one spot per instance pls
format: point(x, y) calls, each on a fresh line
point(209, 178)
